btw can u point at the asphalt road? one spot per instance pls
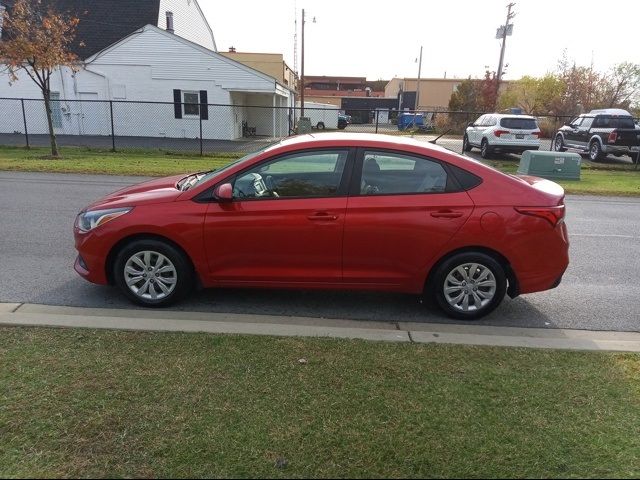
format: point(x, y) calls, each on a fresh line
point(600, 290)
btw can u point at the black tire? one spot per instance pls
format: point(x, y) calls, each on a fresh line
point(438, 283)
point(558, 144)
point(485, 150)
point(320, 126)
point(466, 146)
point(184, 276)
point(595, 151)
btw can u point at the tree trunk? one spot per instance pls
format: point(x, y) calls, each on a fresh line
point(52, 133)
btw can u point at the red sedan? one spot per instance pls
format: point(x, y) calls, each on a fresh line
point(333, 211)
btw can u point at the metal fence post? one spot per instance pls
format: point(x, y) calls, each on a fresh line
point(377, 118)
point(113, 132)
point(24, 118)
point(201, 153)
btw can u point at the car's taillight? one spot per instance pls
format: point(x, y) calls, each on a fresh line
point(553, 215)
point(497, 133)
point(613, 136)
point(537, 134)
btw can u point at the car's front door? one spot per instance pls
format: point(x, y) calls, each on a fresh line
point(285, 223)
point(582, 137)
point(571, 135)
point(400, 214)
point(474, 131)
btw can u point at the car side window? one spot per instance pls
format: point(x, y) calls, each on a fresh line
point(490, 121)
point(576, 122)
point(586, 122)
point(385, 173)
point(303, 174)
point(479, 121)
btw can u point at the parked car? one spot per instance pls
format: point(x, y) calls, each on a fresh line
point(495, 132)
point(332, 211)
point(600, 132)
point(343, 120)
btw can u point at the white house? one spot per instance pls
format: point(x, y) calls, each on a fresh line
point(175, 71)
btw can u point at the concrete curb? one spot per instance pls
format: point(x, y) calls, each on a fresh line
point(223, 323)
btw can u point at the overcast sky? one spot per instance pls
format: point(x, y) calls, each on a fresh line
point(381, 40)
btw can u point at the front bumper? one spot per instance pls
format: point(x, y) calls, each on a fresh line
point(92, 253)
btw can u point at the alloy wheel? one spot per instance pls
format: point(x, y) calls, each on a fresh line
point(469, 287)
point(150, 275)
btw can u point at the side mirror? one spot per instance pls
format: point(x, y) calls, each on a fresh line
point(224, 193)
point(471, 124)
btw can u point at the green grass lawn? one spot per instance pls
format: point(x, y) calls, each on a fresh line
point(84, 160)
point(595, 179)
point(83, 403)
point(598, 179)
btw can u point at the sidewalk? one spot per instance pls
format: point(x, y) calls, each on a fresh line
point(14, 314)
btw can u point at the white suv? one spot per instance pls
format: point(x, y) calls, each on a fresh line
point(505, 133)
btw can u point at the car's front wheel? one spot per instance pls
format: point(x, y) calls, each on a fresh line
point(558, 144)
point(466, 146)
point(469, 285)
point(153, 273)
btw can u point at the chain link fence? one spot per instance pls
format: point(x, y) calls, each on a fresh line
point(196, 128)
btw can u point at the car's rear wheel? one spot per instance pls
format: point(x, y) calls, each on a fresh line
point(152, 273)
point(595, 151)
point(558, 144)
point(485, 149)
point(466, 146)
point(469, 285)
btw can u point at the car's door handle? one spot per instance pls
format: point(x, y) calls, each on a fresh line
point(446, 214)
point(323, 217)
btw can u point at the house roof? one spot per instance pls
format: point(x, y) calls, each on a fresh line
point(103, 22)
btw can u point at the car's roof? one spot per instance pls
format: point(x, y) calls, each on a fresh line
point(358, 139)
point(510, 115)
point(610, 111)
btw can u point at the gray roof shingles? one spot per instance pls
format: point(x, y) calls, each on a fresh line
point(103, 22)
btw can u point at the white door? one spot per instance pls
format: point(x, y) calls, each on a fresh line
point(95, 116)
point(474, 133)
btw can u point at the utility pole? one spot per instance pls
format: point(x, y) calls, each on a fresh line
point(418, 83)
point(505, 32)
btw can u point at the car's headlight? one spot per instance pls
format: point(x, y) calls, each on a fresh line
point(87, 221)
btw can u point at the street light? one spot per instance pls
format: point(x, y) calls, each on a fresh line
point(418, 83)
point(302, 68)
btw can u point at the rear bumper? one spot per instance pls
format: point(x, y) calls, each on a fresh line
point(515, 148)
point(620, 149)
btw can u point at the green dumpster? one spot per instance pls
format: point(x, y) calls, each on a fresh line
point(552, 165)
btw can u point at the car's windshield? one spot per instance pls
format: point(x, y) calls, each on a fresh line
point(205, 176)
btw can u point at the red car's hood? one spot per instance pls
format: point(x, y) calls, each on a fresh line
point(161, 190)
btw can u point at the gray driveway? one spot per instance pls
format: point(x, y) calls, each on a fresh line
point(599, 291)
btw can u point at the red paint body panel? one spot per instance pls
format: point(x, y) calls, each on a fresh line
point(385, 242)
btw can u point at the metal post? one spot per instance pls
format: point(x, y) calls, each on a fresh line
point(418, 83)
point(377, 119)
point(24, 118)
point(113, 131)
point(201, 151)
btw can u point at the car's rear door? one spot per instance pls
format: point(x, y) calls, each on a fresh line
point(285, 222)
point(402, 210)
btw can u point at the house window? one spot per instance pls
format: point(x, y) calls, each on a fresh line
point(191, 104)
